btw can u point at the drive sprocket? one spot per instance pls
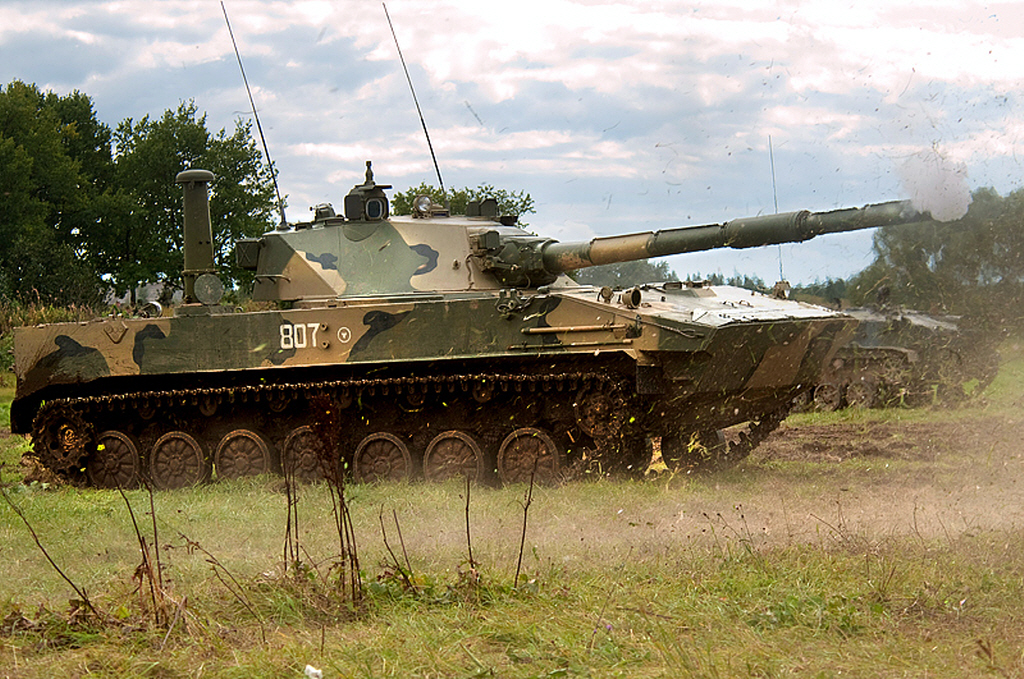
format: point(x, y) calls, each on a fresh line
point(61, 437)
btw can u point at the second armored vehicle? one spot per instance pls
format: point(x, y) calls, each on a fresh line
point(901, 357)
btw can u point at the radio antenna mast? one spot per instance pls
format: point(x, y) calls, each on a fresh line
point(775, 194)
point(414, 99)
point(256, 115)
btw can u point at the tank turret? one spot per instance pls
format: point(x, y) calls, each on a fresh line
point(365, 252)
point(441, 346)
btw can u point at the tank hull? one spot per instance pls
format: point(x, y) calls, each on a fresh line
point(900, 357)
point(583, 379)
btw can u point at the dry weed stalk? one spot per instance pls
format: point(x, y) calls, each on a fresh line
point(82, 596)
point(325, 427)
point(291, 530)
point(469, 541)
point(220, 571)
point(527, 500)
point(149, 570)
point(405, 575)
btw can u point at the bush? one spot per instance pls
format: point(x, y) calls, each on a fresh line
point(14, 314)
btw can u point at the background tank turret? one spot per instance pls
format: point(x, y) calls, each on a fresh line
point(437, 346)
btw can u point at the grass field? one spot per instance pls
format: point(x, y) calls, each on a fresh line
point(893, 564)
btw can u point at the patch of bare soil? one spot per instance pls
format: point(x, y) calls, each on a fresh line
point(930, 479)
point(921, 441)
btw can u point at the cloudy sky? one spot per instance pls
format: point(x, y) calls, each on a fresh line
point(616, 116)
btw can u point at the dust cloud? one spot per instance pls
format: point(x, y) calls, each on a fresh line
point(936, 184)
point(870, 481)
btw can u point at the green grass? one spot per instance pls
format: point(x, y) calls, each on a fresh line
point(663, 578)
point(870, 567)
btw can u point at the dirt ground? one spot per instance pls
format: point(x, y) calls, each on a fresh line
point(938, 478)
point(921, 441)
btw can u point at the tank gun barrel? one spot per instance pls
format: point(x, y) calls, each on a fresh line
point(747, 232)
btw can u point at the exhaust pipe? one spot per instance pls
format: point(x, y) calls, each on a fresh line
point(202, 285)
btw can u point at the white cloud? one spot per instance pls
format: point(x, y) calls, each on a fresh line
point(617, 116)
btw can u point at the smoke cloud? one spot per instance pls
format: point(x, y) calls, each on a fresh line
point(936, 184)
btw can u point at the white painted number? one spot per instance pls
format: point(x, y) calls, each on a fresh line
point(298, 336)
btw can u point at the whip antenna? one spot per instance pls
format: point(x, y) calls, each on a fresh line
point(414, 99)
point(775, 194)
point(259, 127)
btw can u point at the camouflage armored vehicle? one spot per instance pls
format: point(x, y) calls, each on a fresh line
point(439, 345)
point(905, 357)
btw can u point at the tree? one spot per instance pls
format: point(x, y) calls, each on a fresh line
point(141, 242)
point(974, 265)
point(626, 274)
point(738, 280)
point(84, 210)
point(517, 203)
point(48, 196)
point(829, 292)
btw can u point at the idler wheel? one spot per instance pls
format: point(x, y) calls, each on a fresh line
point(382, 457)
point(115, 463)
point(453, 454)
point(177, 461)
point(241, 453)
point(61, 438)
point(699, 451)
point(529, 453)
point(828, 397)
point(299, 456)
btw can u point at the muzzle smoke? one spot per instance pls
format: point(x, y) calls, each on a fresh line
point(936, 184)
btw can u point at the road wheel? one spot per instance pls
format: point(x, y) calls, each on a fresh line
point(453, 454)
point(862, 394)
point(177, 461)
point(241, 453)
point(382, 457)
point(529, 453)
point(115, 463)
point(299, 459)
point(828, 397)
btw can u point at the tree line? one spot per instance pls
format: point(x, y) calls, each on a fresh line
point(971, 267)
point(87, 210)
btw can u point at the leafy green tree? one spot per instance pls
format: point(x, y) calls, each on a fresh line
point(141, 243)
point(509, 202)
point(626, 274)
point(737, 280)
point(49, 145)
